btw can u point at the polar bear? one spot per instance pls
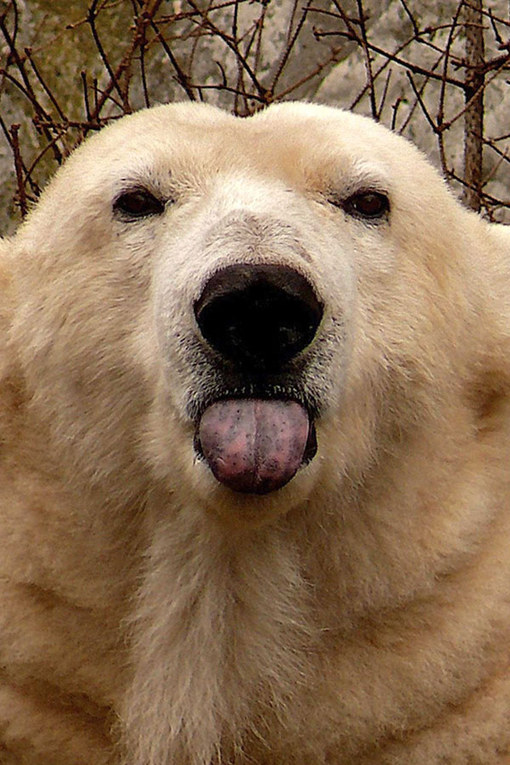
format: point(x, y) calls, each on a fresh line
point(254, 435)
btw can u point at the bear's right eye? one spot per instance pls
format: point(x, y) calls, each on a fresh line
point(138, 203)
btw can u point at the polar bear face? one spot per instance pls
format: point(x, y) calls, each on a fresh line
point(215, 304)
point(254, 451)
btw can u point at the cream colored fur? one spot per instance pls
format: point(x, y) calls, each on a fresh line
point(151, 616)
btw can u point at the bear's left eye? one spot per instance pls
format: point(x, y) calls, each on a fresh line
point(138, 203)
point(369, 205)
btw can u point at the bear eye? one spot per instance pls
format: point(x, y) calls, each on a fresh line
point(370, 205)
point(138, 203)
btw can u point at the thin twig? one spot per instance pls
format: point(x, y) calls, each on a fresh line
point(18, 166)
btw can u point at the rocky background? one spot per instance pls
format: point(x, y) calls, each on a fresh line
point(435, 72)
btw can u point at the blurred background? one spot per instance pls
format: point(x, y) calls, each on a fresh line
point(436, 72)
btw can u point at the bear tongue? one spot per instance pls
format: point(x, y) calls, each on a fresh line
point(254, 445)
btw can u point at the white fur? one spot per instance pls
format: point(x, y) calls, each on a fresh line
point(151, 616)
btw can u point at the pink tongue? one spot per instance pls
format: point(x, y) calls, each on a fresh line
point(253, 445)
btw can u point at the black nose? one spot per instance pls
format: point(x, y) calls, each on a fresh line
point(259, 316)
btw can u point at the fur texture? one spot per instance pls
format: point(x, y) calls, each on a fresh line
point(149, 615)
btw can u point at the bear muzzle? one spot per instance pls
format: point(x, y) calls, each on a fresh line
point(258, 318)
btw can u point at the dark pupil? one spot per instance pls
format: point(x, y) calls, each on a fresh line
point(138, 203)
point(370, 205)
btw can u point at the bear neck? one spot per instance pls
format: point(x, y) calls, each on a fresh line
point(205, 641)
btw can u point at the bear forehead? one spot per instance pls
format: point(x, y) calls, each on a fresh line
point(291, 141)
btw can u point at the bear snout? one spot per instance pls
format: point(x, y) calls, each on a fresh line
point(259, 316)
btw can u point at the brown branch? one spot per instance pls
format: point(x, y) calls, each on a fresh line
point(179, 40)
point(291, 41)
point(363, 42)
point(474, 96)
point(47, 90)
point(414, 68)
point(333, 58)
point(18, 165)
point(114, 76)
point(27, 85)
point(232, 44)
point(181, 76)
point(147, 14)
point(442, 93)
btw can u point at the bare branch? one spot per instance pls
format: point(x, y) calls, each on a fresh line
point(18, 165)
point(245, 54)
point(474, 95)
